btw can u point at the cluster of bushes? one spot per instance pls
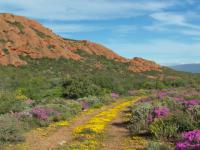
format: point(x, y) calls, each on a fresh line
point(19, 114)
point(96, 101)
point(77, 87)
point(66, 74)
point(166, 116)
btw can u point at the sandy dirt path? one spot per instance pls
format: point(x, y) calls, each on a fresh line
point(38, 141)
point(117, 135)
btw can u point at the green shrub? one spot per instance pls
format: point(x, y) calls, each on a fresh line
point(80, 87)
point(170, 103)
point(138, 121)
point(158, 146)
point(67, 109)
point(5, 50)
point(184, 121)
point(195, 112)
point(164, 129)
point(10, 129)
point(8, 103)
point(31, 122)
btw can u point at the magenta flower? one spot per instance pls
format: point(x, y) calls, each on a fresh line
point(190, 140)
point(181, 146)
point(179, 99)
point(158, 112)
point(192, 136)
point(43, 113)
point(84, 104)
point(161, 94)
point(114, 95)
point(191, 103)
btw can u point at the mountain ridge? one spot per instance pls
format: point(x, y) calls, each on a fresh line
point(24, 37)
point(192, 67)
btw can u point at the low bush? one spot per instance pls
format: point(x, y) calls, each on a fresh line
point(8, 103)
point(164, 129)
point(79, 87)
point(158, 146)
point(10, 129)
point(138, 121)
point(97, 101)
point(195, 112)
point(67, 109)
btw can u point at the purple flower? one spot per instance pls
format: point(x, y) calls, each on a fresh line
point(191, 103)
point(144, 100)
point(158, 112)
point(22, 114)
point(179, 99)
point(190, 140)
point(181, 146)
point(192, 136)
point(161, 94)
point(84, 104)
point(114, 95)
point(43, 113)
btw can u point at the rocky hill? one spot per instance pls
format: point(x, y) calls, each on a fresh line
point(20, 36)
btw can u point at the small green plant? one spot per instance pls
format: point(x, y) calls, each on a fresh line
point(5, 50)
point(18, 25)
point(10, 129)
point(138, 121)
point(164, 129)
point(2, 41)
point(40, 34)
point(158, 146)
point(50, 47)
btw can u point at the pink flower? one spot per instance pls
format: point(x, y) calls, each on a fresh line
point(161, 94)
point(114, 95)
point(43, 113)
point(191, 103)
point(158, 112)
point(190, 140)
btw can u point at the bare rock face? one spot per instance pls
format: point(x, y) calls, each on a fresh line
point(20, 36)
point(142, 65)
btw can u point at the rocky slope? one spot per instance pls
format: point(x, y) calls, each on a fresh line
point(141, 65)
point(20, 36)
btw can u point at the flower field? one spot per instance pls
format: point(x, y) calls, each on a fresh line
point(89, 135)
point(170, 118)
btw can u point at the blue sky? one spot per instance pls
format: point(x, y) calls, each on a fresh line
point(167, 31)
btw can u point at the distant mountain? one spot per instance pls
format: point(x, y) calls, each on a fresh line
point(194, 68)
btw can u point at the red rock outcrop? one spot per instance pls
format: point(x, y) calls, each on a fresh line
point(142, 65)
point(20, 36)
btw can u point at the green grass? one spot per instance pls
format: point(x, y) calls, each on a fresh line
point(43, 78)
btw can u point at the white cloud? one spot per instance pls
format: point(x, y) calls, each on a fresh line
point(162, 51)
point(191, 32)
point(73, 28)
point(82, 9)
point(169, 18)
point(174, 23)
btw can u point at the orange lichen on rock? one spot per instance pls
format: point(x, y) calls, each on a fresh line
point(142, 65)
